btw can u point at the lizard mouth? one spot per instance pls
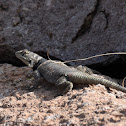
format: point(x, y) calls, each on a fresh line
point(27, 61)
point(24, 59)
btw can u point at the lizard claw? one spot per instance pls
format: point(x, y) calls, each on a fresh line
point(68, 88)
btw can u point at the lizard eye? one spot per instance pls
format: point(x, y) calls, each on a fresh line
point(23, 54)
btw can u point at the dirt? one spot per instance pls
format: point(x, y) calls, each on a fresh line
point(91, 105)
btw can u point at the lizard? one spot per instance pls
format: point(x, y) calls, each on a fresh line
point(60, 74)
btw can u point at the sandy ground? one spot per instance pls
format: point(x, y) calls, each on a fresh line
point(92, 105)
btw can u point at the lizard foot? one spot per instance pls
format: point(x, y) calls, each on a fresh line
point(68, 87)
point(63, 83)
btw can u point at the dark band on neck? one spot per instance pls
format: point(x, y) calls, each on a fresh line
point(38, 63)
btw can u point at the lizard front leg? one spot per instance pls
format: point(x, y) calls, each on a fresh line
point(62, 83)
point(38, 79)
point(84, 69)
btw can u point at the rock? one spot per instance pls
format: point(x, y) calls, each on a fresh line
point(69, 29)
point(2, 118)
point(91, 105)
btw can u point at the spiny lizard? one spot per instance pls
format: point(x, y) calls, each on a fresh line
point(60, 74)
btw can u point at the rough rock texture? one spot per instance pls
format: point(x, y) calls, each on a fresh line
point(93, 105)
point(70, 29)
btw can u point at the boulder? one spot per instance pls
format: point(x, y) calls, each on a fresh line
point(68, 29)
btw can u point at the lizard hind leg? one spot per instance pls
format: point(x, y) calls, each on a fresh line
point(62, 83)
point(84, 69)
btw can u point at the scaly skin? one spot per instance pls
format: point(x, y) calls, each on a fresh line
point(60, 74)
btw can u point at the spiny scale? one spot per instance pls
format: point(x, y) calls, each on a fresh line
point(82, 78)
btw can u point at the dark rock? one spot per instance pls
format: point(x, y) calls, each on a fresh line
point(69, 29)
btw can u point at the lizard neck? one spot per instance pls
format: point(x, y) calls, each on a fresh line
point(36, 65)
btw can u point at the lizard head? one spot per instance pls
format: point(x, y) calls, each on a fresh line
point(28, 57)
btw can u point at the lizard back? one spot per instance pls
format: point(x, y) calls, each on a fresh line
point(52, 70)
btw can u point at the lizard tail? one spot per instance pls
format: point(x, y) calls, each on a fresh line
point(89, 79)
